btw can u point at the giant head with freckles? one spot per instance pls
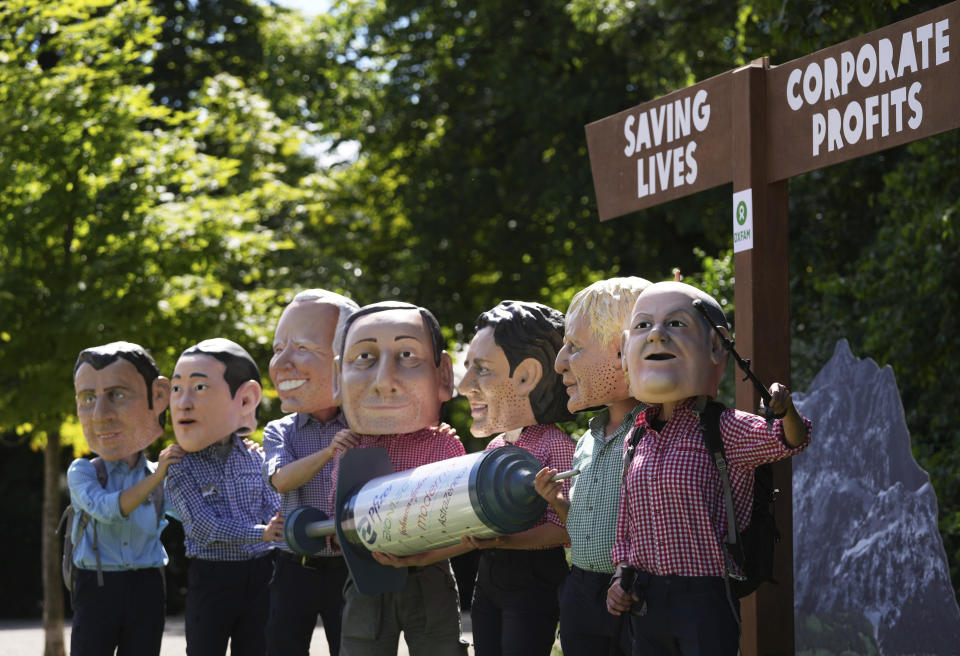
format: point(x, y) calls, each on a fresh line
point(670, 353)
point(510, 382)
point(589, 361)
point(391, 373)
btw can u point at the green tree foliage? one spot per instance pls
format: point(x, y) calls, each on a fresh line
point(472, 148)
point(167, 174)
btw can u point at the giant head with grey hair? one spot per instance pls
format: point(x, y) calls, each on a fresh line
point(670, 351)
point(510, 381)
point(303, 350)
point(391, 372)
point(215, 394)
point(121, 399)
point(589, 361)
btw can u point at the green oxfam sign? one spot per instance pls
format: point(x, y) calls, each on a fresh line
point(741, 213)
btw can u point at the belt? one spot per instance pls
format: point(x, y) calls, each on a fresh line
point(314, 562)
point(589, 574)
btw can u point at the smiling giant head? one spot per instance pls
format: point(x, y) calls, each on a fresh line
point(510, 381)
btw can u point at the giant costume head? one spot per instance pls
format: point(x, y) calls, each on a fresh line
point(121, 399)
point(590, 358)
point(670, 352)
point(391, 374)
point(303, 350)
point(215, 393)
point(510, 381)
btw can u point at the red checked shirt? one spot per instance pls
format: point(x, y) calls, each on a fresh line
point(672, 519)
point(407, 450)
point(553, 448)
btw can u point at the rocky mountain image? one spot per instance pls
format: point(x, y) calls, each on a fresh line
point(870, 570)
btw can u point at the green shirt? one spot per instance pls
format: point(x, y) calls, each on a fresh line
point(595, 493)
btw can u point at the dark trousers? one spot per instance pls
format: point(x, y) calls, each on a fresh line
point(228, 601)
point(515, 605)
point(298, 594)
point(126, 614)
point(687, 615)
point(586, 628)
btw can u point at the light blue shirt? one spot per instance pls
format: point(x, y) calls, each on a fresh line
point(125, 543)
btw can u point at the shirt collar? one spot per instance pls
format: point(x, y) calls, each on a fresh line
point(651, 411)
point(222, 451)
point(304, 418)
point(115, 464)
point(598, 422)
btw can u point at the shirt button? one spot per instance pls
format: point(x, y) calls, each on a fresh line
point(653, 478)
point(595, 479)
point(589, 507)
point(587, 537)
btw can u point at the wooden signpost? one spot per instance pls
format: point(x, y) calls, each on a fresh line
point(756, 127)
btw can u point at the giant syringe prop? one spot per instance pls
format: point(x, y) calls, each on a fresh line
point(484, 494)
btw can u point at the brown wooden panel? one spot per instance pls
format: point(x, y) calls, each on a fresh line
point(687, 149)
point(830, 103)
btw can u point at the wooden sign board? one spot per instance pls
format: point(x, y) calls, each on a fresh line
point(664, 149)
point(892, 86)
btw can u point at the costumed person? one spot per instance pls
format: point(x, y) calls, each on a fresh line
point(589, 363)
point(513, 391)
point(672, 520)
point(117, 586)
point(299, 452)
point(391, 376)
point(231, 517)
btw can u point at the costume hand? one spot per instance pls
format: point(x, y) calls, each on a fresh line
point(446, 429)
point(481, 543)
point(343, 440)
point(174, 453)
point(547, 488)
point(273, 532)
point(781, 400)
point(618, 601)
point(391, 560)
point(252, 446)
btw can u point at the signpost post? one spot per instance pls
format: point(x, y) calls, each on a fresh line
point(756, 127)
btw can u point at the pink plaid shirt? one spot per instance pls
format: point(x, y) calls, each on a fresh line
point(407, 450)
point(553, 448)
point(672, 519)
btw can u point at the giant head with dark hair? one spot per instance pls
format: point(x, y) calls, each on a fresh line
point(391, 373)
point(121, 399)
point(215, 393)
point(510, 381)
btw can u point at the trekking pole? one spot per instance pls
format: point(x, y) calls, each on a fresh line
point(627, 577)
point(744, 365)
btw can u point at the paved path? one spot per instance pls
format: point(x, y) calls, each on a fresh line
point(25, 638)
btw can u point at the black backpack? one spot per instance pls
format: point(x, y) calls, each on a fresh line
point(752, 549)
point(66, 527)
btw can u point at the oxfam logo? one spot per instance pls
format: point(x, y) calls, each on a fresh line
point(741, 213)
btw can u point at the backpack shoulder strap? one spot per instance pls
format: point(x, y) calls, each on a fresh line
point(101, 467)
point(635, 437)
point(710, 425)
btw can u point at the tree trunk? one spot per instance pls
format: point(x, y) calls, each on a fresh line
point(50, 550)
